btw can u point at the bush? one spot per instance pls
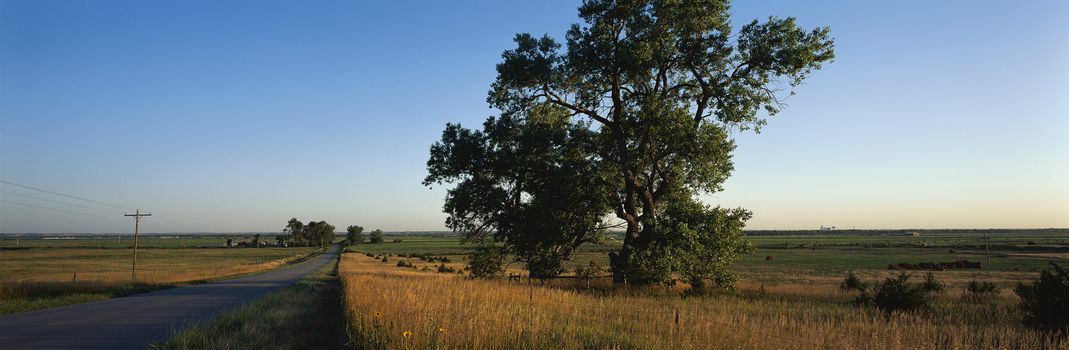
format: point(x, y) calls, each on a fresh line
point(486, 262)
point(1045, 302)
point(852, 282)
point(977, 291)
point(591, 270)
point(930, 285)
point(442, 269)
point(376, 237)
point(896, 294)
point(403, 263)
point(398, 240)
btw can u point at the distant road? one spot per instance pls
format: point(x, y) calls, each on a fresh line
point(135, 321)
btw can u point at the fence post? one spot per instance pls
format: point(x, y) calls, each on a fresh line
point(74, 280)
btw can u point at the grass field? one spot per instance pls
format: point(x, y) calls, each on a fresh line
point(38, 277)
point(123, 241)
point(788, 298)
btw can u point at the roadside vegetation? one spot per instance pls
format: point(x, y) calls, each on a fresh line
point(307, 315)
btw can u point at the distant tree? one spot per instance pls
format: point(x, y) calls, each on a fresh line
point(319, 233)
point(376, 236)
point(634, 111)
point(355, 234)
point(1045, 301)
point(256, 240)
point(281, 240)
point(296, 230)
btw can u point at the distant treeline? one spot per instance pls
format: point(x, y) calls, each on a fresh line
point(905, 232)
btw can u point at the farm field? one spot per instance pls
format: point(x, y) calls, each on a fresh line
point(788, 298)
point(39, 276)
point(123, 241)
point(822, 260)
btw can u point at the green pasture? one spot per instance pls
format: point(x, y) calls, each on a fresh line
point(823, 254)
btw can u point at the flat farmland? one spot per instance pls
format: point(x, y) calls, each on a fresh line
point(153, 265)
point(39, 277)
point(817, 263)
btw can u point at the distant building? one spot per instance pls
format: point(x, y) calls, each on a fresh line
point(826, 228)
point(913, 234)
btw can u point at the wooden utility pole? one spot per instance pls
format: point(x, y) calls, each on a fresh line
point(137, 228)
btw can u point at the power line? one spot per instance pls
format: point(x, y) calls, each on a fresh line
point(53, 201)
point(174, 223)
point(64, 195)
point(60, 210)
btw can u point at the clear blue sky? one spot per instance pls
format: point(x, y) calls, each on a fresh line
point(237, 115)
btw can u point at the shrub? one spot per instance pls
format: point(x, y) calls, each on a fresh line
point(385, 259)
point(977, 291)
point(930, 285)
point(442, 269)
point(1045, 302)
point(591, 270)
point(897, 294)
point(397, 240)
point(403, 263)
point(852, 282)
point(486, 262)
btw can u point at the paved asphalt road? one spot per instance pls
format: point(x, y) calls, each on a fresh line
point(132, 322)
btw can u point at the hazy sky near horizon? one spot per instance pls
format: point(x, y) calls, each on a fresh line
point(237, 115)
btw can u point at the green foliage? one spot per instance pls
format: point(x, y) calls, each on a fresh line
point(930, 285)
point(852, 282)
point(629, 118)
point(528, 182)
point(315, 233)
point(593, 269)
point(486, 262)
point(1045, 302)
point(979, 291)
point(377, 237)
point(295, 228)
point(354, 234)
point(897, 294)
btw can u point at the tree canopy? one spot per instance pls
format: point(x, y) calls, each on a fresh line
point(377, 236)
point(354, 234)
point(315, 233)
point(626, 123)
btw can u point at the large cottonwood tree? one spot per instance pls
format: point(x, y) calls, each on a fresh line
point(651, 91)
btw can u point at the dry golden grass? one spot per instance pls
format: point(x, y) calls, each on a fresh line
point(155, 266)
point(39, 278)
point(384, 302)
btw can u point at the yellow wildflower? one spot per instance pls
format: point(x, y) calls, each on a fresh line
point(407, 334)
